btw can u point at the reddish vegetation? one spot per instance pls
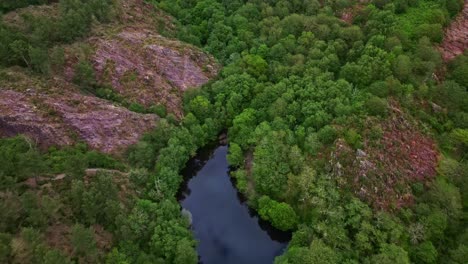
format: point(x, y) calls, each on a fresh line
point(18, 115)
point(383, 172)
point(149, 68)
point(57, 119)
point(456, 36)
point(348, 14)
point(59, 237)
point(140, 64)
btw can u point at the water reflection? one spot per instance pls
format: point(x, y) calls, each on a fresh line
point(227, 230)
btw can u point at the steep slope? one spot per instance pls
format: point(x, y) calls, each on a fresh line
point(56, 113)
point(456, 36)
point(129, 56)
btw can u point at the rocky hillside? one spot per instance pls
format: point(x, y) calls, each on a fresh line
point(456, 36)
point(127, 55)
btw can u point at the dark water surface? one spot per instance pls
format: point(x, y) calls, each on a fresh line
point(228, 231)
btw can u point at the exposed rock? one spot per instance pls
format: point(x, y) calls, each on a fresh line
point(149, 68)
point(142, 65)
point(102, 125)
point(347, 15)
point(456, 36)
point(18, 115)
point(55, 119)
point(382, 173)
point(128, 53)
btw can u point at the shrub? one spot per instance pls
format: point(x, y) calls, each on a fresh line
point(377, 106)
point(281, 215)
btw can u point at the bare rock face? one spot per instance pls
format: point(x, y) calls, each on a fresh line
point(383, 171)
point(18, 115)
point(55, 119)
point(150, 69)
point(128, 55)
point(456, 36)
point(102, 125)
point(140, 64)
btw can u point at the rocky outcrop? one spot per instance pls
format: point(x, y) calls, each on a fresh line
point(142, 65)
point(456, 36)
point(130, 56)
point(383, 171)
point(150, 69)
point(102, 125)
point(63, 119)
point(18, 115)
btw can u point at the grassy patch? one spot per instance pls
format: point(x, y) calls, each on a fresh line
point(427, 12)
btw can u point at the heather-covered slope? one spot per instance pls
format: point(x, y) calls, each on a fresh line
point(128, 56)
point(456, 36)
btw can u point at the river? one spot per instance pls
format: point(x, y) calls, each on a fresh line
point(227, 230)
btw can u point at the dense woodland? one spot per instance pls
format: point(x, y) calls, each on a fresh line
point(299, 87)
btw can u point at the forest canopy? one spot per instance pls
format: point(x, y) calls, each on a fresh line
point(351, 134)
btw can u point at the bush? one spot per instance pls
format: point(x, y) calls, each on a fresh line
point(377, 106)
point(84, 76)
point(235, 156)
point(327, 134)
point(159, 109)
point(353, 138)
point(281, 215)
point(433, 31)
point(136, 107)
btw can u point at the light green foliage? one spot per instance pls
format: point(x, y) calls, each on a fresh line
point(317, 252)
point(200, 107)
point(424, 253)
point(235, 156)
point(169, 239)
point(269, 169)
point(353, 138)
point(391, 254)
point(281, 215)
point(446, 196)
point(427, 12)
point(243, 125)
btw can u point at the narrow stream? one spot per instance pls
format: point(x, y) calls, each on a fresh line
point(228, 232)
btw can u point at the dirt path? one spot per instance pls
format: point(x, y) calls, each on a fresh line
point(456, 36)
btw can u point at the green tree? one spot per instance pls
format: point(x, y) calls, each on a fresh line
point(424, 253)
point(281, 215)
point(391, 254)
point(84, 75)
point(235, 156)
point(83, 242)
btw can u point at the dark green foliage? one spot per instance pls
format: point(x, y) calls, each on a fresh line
point(160, 110)
point(97, 203)
point(20, 160)
point(296, 82)
point(5, 247)
point(136, 107)
point(31, 47)
point(84, 76)
point(377, 106)
point(8, 5)
point(83, 242)
point(458, 70)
